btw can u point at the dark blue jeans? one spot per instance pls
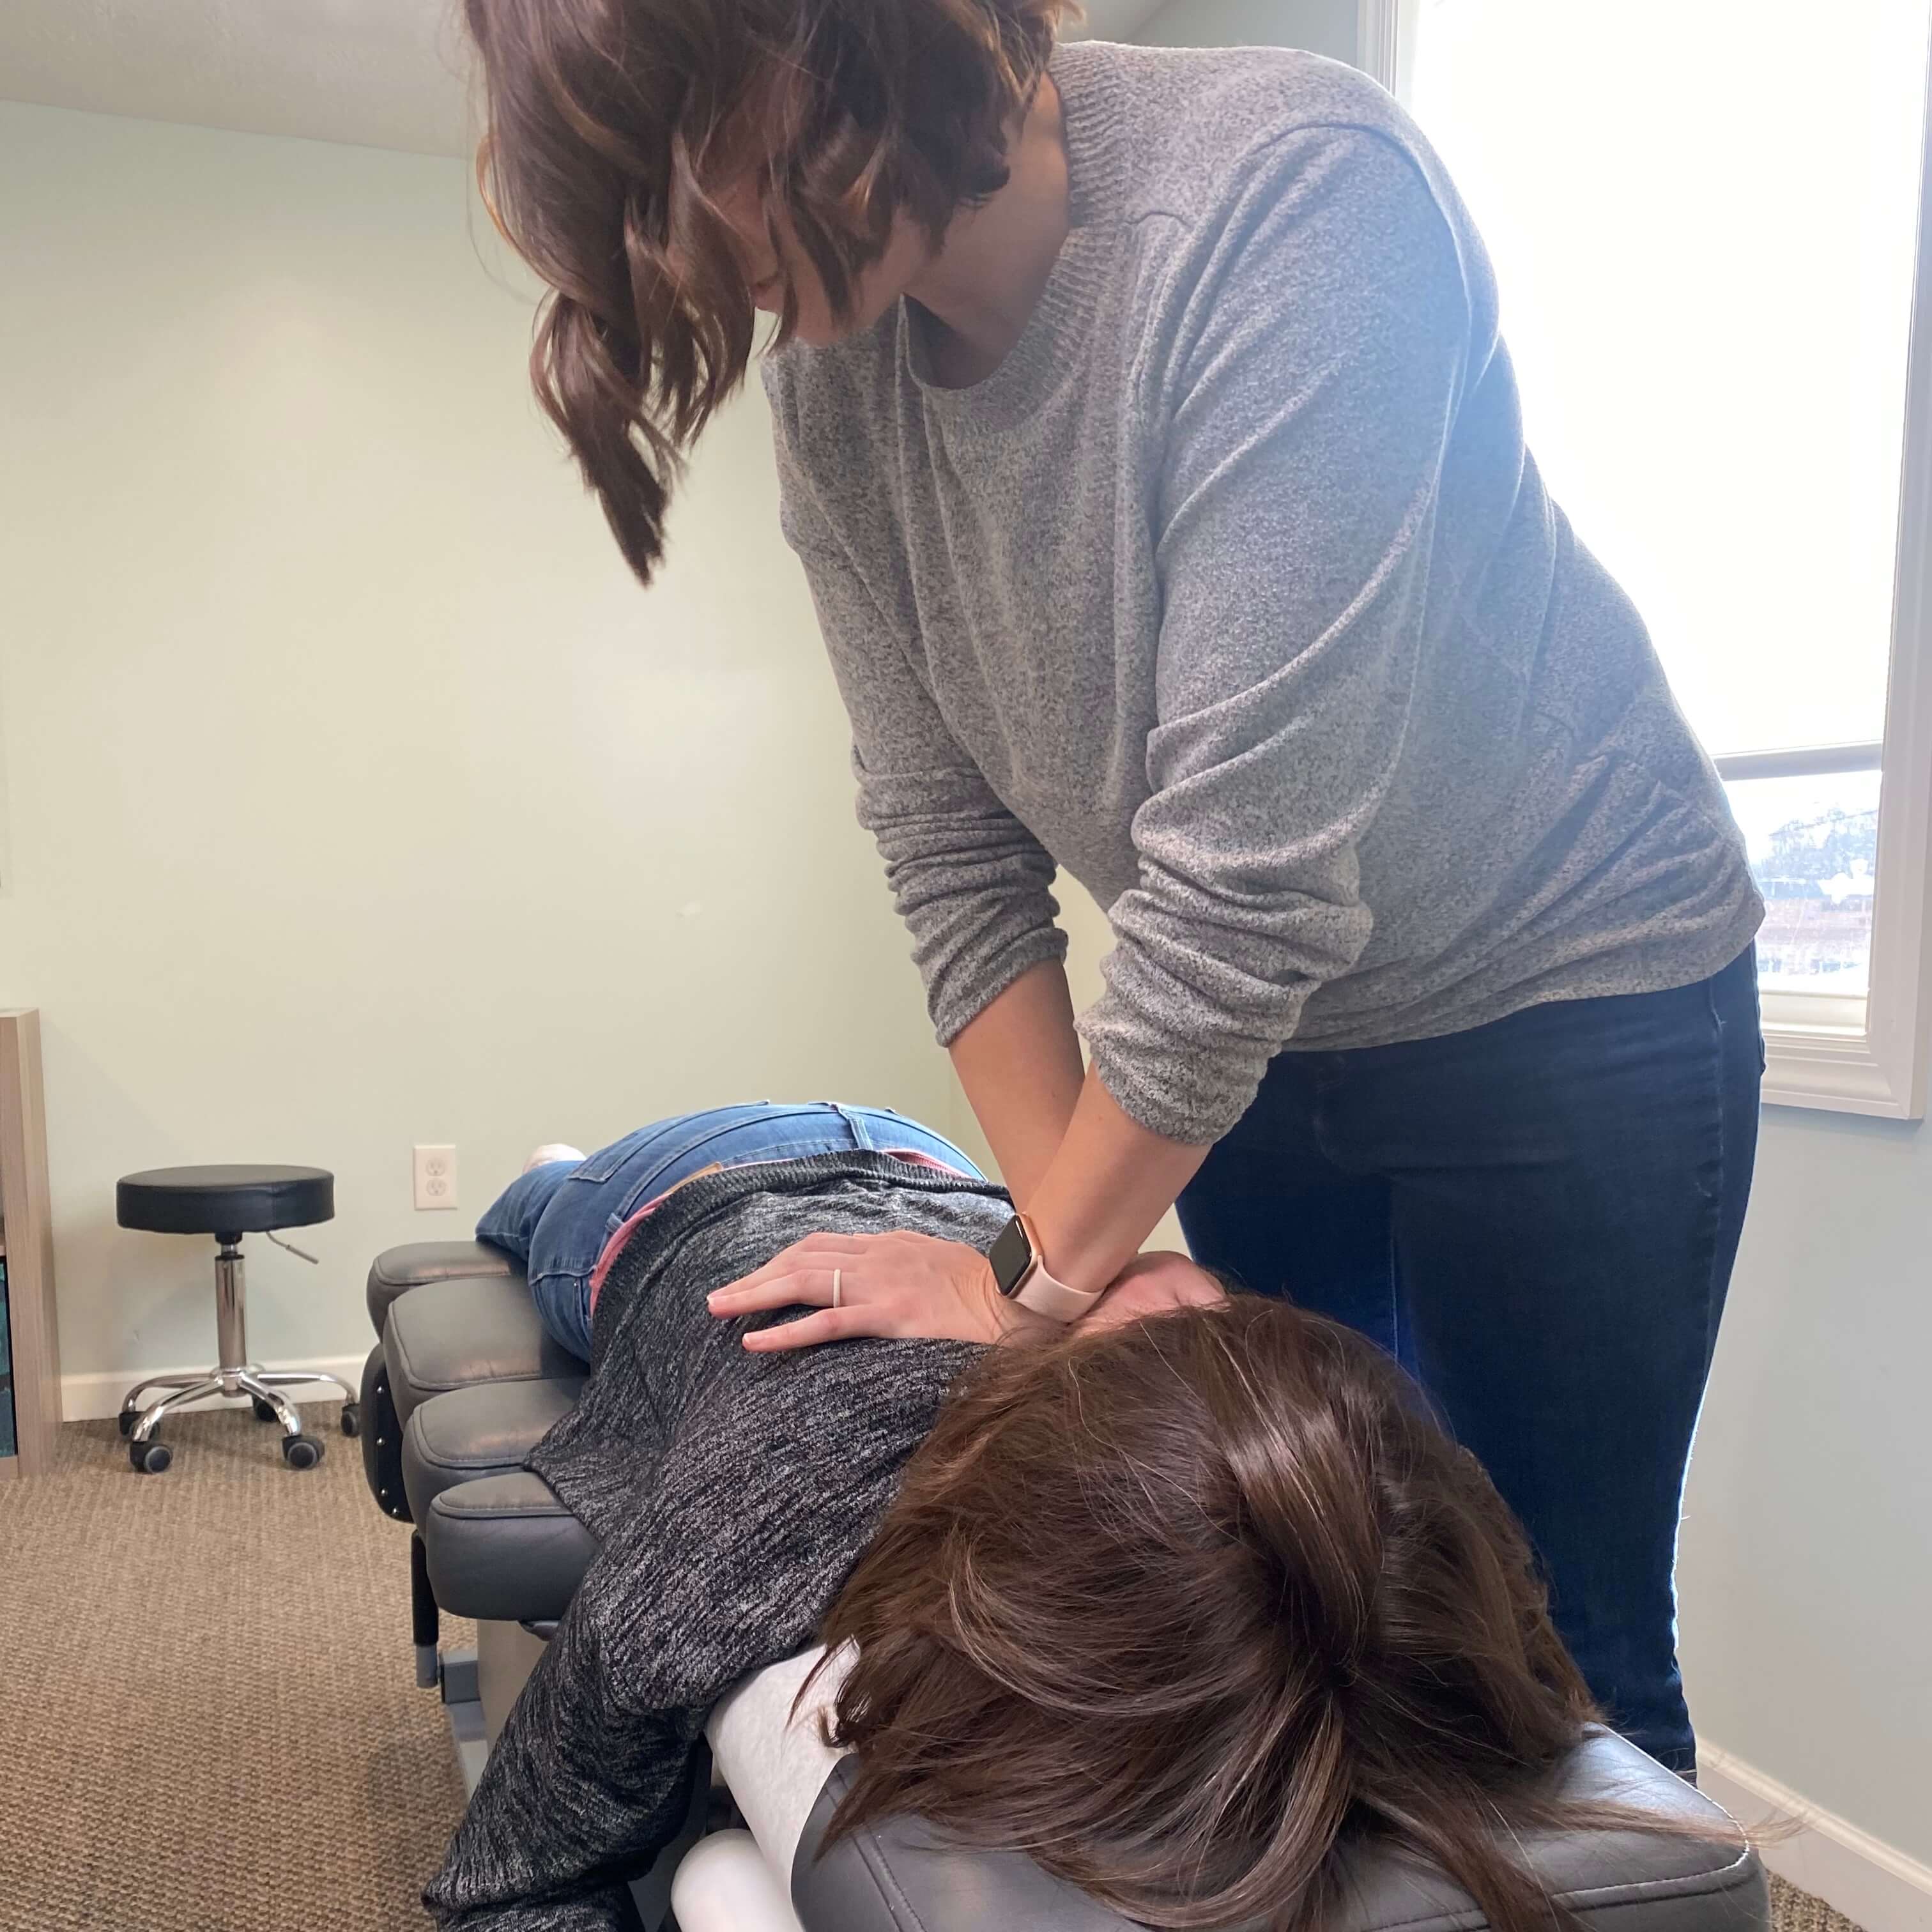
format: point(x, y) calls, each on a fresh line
point(1539, 1218)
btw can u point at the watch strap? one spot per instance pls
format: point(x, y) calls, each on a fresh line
point(1040, 1291)
point(1045, 1296)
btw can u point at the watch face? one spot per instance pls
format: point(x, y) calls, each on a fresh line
point(1011, 1256)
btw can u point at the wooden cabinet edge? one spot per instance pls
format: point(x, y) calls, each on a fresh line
point(26, 1211)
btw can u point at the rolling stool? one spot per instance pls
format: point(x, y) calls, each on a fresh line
point(228, 1202)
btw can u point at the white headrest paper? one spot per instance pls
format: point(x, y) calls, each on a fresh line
point(774, 1762)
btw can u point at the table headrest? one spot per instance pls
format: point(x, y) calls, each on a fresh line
point(900, 1877)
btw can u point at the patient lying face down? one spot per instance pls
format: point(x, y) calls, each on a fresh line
point(1179, 1601)
point(1185, 1609)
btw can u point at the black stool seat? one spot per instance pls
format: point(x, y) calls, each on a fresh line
point(233, 1200)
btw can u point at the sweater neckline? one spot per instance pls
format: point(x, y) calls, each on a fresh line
point(1051, 346)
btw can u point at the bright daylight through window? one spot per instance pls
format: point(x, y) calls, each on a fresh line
point(1704, 219)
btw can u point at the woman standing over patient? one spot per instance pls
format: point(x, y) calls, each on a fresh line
point(1147, 436)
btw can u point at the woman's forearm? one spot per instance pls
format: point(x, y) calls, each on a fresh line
point(1019, 1062)
point(1094, 1180)
point(1110, 1180)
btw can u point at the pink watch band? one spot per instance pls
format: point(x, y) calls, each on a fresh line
point(1038, 1291)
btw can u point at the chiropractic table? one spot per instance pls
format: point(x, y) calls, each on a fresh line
point(461, 1386)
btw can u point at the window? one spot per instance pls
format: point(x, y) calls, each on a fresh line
point(1705, 224)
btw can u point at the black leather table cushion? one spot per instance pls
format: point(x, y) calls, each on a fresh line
point(504, 1549)
point(396, 1271)
point(486, 1429)
point(449, 1334)
point(475, 1382)
point(225, 1200)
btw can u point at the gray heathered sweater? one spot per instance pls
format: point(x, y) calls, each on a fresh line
point(1234, 590)
point(731, 1494)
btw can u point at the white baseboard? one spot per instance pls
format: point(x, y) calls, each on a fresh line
point(90, 1398)
point(1873, 1884)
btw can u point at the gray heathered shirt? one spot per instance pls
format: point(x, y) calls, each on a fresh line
point(1234, 591)
point(730, 1494)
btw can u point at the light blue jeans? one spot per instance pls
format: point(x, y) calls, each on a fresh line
point(556, 1218)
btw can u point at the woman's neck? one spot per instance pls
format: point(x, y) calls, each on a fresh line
point(983, 285)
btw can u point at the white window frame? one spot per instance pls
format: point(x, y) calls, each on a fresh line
point(1832, 1051)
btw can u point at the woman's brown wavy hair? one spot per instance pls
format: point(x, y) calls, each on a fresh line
point(1184, 1610)
point(610, 125)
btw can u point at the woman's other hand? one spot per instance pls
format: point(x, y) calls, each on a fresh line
point(1155, 1283)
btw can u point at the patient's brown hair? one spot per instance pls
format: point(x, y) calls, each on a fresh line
point(611, 124)
point(1182, 1609)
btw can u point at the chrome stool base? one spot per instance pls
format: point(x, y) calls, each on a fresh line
point(235, 1375)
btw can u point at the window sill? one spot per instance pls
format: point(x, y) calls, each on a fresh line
point(1839, 1070)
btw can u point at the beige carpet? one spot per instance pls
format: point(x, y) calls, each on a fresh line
point(1795, 1911)
point(208, 1721)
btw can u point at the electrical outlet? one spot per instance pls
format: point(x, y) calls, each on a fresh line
point(436, 1177)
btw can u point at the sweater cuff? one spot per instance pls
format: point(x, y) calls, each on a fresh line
point(954, 1008)
point(1188, 1089)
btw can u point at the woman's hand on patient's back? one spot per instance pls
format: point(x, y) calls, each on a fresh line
point(909, 1285)
point(901, 1284)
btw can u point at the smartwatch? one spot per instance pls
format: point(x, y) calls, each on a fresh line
point(1021, 1275)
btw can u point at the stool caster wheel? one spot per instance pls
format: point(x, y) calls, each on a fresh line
point(126, 1420)
point(150, 1458)
point(264, 1412)
point(352, 1419)
point(301, 1452)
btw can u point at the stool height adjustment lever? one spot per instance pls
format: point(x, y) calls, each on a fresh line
point(314, 1261)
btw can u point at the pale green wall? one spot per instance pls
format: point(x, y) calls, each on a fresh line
point(1322, 26)
point(355, 796)
point(1806, 1577)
